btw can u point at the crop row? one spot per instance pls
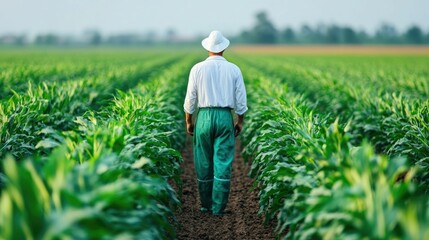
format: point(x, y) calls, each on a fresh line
point(393, 123)
point(18, 70)
point(385, 74)
point(29, 117)
point(106, 177)
point(319, 184)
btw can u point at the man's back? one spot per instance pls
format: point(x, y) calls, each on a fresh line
point(216, 82)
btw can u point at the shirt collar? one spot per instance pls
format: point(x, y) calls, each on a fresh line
point(216, 58)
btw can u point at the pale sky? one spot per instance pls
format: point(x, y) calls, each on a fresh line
point(190, 17)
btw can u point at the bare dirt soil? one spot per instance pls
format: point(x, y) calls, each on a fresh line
point(241, 220)
point(334, 49)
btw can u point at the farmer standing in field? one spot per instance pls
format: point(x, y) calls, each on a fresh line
point(217, 86)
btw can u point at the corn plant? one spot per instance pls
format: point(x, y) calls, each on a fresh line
point(107, 177)
point(105, 198)
point(317, 183)
point(395, 122)
point(26, 119)
point(36, 67)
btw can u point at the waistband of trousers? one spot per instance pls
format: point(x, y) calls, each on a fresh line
point(217, 108)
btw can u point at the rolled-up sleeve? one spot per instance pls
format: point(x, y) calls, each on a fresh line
point(240, 95)
point(191, 93)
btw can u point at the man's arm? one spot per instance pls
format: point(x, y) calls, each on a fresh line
point(189, 124)
point(240, 94)
point(190, 102)
point(239, 125)
point(191, 93)
point(241, 102)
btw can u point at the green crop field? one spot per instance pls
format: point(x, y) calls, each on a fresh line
point(90, 143)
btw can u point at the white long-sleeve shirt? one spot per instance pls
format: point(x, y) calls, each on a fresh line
point(216, 82)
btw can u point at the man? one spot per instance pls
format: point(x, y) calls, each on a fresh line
point(218, 87)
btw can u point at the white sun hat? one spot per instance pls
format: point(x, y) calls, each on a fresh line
point(215, 42)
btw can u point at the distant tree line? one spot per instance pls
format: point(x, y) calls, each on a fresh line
point(264, 32)
point(92, 37)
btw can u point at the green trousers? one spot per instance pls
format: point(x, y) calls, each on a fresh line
point(214, 146)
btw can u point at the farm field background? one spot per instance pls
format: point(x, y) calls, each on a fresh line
point(90, 141)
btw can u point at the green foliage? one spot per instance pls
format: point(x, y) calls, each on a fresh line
point(108, 198)
point(264, 32)
point(385, 99)
point(317, 183)
point(88, 147)
point(46, 110)
point(102, 172)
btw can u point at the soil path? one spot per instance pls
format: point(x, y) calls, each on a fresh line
point(242, 221)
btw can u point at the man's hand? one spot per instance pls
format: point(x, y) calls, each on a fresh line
point(190, 128)
point(239, 125)
point(189, 124)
